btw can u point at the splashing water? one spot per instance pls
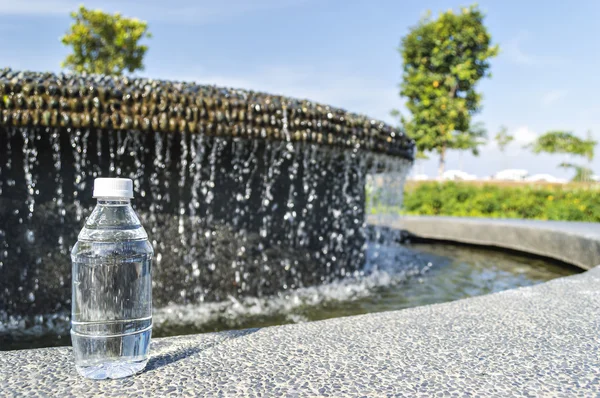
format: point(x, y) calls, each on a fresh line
point(229, 218)
point(182, 183)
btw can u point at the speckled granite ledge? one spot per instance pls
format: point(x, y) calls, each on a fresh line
point(535, 341)
point(576, 243)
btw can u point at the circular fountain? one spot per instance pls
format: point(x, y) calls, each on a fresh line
point(242, 193)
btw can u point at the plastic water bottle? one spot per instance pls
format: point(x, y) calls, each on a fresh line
point(111, 320)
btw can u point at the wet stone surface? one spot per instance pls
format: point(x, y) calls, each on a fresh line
point(535, 341)
point(122, 103)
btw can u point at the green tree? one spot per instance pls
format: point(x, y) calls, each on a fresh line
point(567, 143)
point(421, 156)
point(443, 59)
point(564, 142)
point(582, 173)
point(503, 138)
point(105, 43)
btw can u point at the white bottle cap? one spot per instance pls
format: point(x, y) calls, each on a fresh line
point(113, 188)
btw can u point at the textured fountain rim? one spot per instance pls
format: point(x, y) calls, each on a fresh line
point(126, 103)
point(574, 243)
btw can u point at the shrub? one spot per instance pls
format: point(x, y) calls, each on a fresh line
point(542, 202)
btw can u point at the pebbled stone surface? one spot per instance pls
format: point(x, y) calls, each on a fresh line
point(150, 105)
point(536, 341)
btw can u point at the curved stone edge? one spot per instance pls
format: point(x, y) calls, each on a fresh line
point(123, 103)
point(534, 341)
point(576, 243)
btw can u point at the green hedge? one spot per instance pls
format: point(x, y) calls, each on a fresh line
point(570, 203)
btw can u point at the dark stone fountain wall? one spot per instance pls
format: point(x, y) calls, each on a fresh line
point(236, 205)
point(244, 198)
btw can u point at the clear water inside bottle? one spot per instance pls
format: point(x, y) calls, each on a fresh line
point(112, 293)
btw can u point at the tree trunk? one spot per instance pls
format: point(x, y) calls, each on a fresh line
point(442, 165)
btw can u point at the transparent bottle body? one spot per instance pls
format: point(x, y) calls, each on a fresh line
point(111, 323)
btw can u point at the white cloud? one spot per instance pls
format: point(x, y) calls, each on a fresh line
point(524, 135)
point(552, 96)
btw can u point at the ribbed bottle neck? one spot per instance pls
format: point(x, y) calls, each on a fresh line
point(113, 202)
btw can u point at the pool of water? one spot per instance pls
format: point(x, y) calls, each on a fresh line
point(398, 277)
point(424, 273)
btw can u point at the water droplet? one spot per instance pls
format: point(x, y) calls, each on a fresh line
point(30, 236)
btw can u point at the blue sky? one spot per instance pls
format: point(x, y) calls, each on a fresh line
point(344, 53)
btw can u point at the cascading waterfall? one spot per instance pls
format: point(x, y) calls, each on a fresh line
point(58, 182)
point(193, 241)
point(29, 159)
point(182, 183)
point(257, 212)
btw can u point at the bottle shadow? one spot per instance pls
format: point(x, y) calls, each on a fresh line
point(178, 353)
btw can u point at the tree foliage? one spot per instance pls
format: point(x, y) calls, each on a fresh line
point(582, 173)
point(105, 43)
point(472, 139)
point(421, 156)
point(503, 138)
point(443, 59)
point(556, 142)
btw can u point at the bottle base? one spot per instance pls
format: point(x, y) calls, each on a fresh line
point(111, 356)
point(112, 370)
